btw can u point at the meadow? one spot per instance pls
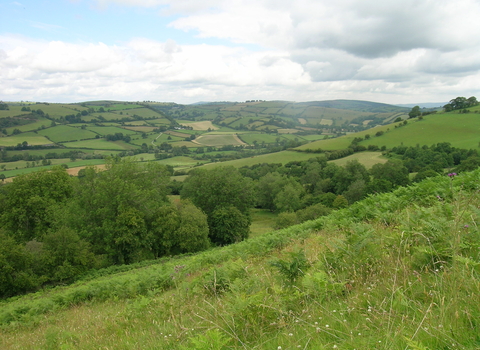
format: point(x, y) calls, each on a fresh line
point(30, 137)
point(282, 157)
point(461, 130)
point(395, 271)
point(65, 133)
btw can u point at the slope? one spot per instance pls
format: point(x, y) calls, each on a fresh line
point(395, 271)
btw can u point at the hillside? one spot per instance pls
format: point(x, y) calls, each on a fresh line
point(34, 136)
point(395, 271)
point(459, 129)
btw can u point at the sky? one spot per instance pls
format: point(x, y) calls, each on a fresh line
point(186, 51)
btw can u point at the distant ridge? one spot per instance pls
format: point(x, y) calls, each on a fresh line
point(423, 105)
point(356, 105)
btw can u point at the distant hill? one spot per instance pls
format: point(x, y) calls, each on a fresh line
point(356, 105)
point(424, 105)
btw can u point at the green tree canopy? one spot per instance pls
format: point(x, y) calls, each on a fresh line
point(114, 209)
point(219, 188)
point(27, 211)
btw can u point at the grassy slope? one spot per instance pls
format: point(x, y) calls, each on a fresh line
point(372, 283)
point(461, 130)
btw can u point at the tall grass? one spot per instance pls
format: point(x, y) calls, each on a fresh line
point(395, 271)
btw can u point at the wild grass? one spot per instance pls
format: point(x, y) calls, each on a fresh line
point(395, 271)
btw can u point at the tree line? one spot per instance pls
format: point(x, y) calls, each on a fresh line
point(55, 227)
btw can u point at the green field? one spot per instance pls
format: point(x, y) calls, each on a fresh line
point(217, 140)
point(278, 157)
point(112, 130)
point(63, 133)
point(368, 159)
point(342, 142)
point(22, 169)
point(30, 137)
point(461, 130)
point(36, 125)
point(100, 144)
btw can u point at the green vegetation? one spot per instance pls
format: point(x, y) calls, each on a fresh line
point(394, 271)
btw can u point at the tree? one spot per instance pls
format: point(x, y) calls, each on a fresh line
point(268, 188)
point(31, 199)
point(393, 171)
point(220, 188)
point(415, 112)
point(289, 198)
point(16, 275)
point(66, 255)
point(228, 225)
point(114, 210)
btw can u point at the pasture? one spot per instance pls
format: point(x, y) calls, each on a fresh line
point(202, 125)
point(461, 130)
point(31, 138)
point(218, 140)
point(106, 130)
point(282, 157)
point(36, 124)
point(65, 133)
point(368, 159)
point(100, 144)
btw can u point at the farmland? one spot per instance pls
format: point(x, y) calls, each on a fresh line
point(162, 130)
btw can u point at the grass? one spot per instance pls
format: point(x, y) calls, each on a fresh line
point(364, 284)
point(368, 159)
point(12, 172)
point(30, 137)
point(262, 222)
point(282, 157)
point(203, 125)
point(461, 130)
point(100, 144)
point(64, 133)
point(106, 130)
point(217, 140)
point(36, 125)
point(343, 142)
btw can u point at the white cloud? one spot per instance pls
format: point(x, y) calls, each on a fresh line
point(391, 51)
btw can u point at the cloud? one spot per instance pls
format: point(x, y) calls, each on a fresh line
point(139, 69)
point(272, 49)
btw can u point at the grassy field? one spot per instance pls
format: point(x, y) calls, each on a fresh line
point(105, 130)
point(343, 142)
point(278, 157)
point(100, 144)
point(23, 170)
point(368, 159)
point(30, 137)
point(202, 125)
point(461, 130)
point(63, 133)
point(352, 280)
point(38, 124)
point(263, 222)
point(217, 140)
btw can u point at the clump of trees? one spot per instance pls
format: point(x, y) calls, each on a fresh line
point(54, 227)
point(460, 103)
